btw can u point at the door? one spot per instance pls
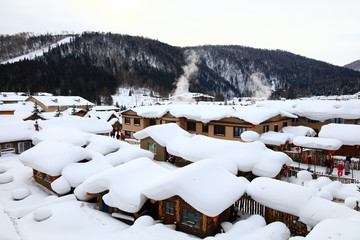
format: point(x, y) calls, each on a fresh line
point(169, 213)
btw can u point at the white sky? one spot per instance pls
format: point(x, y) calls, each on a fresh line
point(327, 30)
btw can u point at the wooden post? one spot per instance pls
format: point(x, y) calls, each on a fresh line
point(204, 223)
point(177, 213)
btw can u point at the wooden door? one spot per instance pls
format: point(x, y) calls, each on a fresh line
point(169, 213)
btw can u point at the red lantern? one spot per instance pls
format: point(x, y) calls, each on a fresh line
point(89, 194)
point(287, 169)
point(253, 126)
point(216, 217)
point(179, 120)
point(297, 149)
point(357, 146)
point(282, 146)
point(169, 154)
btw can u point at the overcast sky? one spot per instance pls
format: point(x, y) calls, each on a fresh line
point(326, 30)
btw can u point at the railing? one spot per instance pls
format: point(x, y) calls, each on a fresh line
point(294, 170)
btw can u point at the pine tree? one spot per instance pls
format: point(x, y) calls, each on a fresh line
point(58, 112)
point(35, 112)
point(73, 112)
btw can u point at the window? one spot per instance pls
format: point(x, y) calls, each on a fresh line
point(191, 126)
point(8, 145)
point(337, 120)
point(137, 121)
point(191, 218)
point(152, 147)
point(205, 128)
point(276, 128)
point(152, 121)
point(284, 124)
point(47, 178)
point(238, 131)
point(127, 120)
point(38, 174)
point(219, 130)
point(127, 134)
point(169, 208)
point(266, 128)
point(23, 146)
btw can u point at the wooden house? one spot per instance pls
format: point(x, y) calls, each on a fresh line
point(169, 142)
point(194, 200)
point(66, 161)
point(111, 117)
point(223, 122)
point(119, 190)
point(16, 137)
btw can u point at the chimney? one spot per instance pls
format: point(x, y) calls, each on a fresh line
point(36, 126)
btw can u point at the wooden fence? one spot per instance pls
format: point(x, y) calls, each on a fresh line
point(249, 206)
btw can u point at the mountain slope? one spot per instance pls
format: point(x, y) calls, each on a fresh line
point(96, 64)
point(354, 65)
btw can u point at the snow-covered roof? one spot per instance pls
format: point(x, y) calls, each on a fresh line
point(299, 131)
point(207, 113)
point(125, 183)
point(60, 158)
point(63, 101)
point(12, 97)
point(297, 200)
point(16, 131)
point(89, 125)
point(103, 115)
point(276, 138)
point(105, 108)
point(319, 110)
point(348, 134)
point(330, 144)
point(163, 133)
point(234, 155)
point(204, 185)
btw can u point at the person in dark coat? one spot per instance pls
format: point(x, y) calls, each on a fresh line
point(327, 165)
point(347, 165)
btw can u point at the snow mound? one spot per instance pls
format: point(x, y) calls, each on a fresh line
point(304, 176)
point(2, 169)
point(144, 221)
point(42, 214)
point(20, 193)
point(250, 136)
point(6, 178)
point(61, 186)
point(351, 202)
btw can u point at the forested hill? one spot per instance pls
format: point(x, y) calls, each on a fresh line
point(96, 64)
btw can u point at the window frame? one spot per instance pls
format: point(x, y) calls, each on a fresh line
point(265, 128)
point(237, 131)
point(217, 132)
point(191, 126)
point(152, 147)
point(127, 120)
point(137, 122)
point(191, 218)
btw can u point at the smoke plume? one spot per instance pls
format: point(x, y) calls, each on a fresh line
point(190, 70)
point(262, 91)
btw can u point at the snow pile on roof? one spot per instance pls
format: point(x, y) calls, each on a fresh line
point(16, 131)
point(83, 124)
point(255, 227)
point(64, 134)
point(233, 155)
point(205, 185)
point(126, 153)
point(59, 158)
point(103, 144)
point(320, 110)
point(207, 113)
point(299, 131)
point(126, 183)
point(163, 133)
point(318, 143)
point(348, 134)
point(63, 101)
point(276, 138)
point(297, 200)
